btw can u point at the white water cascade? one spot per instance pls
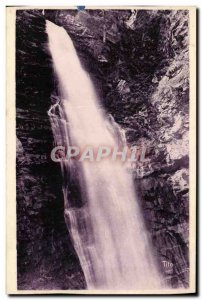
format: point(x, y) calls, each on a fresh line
point(107, 229)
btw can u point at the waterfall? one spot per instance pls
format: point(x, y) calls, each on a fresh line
point(106, 225)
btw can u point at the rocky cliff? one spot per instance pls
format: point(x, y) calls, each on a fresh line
point(138, 61)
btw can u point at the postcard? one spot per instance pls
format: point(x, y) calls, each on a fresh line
point(101, 150)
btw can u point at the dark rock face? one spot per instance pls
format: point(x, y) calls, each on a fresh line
point(138, 61)
point(46, 258)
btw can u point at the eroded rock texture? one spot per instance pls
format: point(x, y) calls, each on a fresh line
point(46, 259)
point(138, 61)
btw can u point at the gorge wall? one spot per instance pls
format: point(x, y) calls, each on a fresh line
point(138, 61)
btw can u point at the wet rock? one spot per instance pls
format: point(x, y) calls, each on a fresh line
point(43, 242)
point(138, 61)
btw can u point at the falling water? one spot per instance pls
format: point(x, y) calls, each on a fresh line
point(106, 227)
